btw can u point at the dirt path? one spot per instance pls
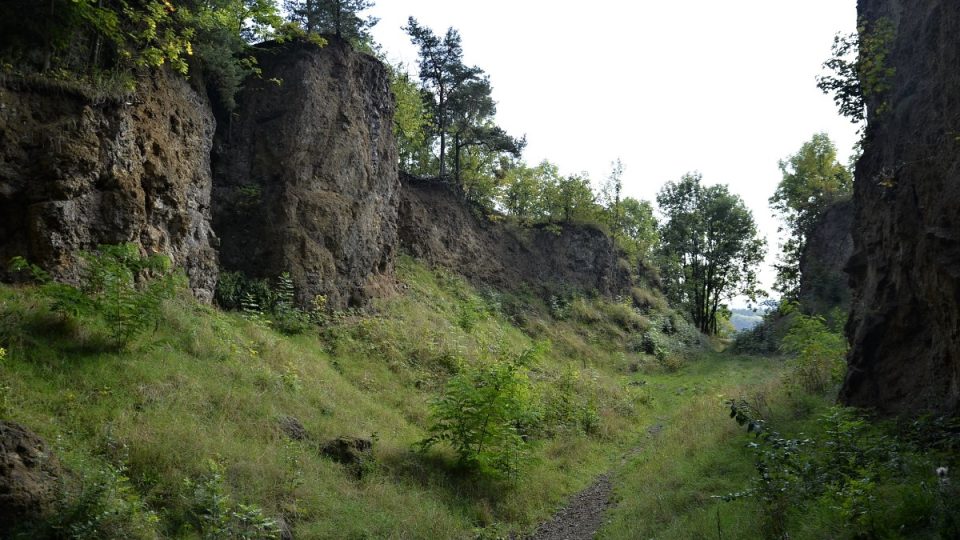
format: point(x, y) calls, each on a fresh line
point(583, 515)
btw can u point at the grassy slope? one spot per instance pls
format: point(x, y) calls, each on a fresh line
point(207, 386)
point(210, 386)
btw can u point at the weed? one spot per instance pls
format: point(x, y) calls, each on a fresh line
point(481, 414)
point(218, 517)
point(117, 285)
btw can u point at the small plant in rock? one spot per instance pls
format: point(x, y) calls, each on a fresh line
point(483, 413)
point(117, 285)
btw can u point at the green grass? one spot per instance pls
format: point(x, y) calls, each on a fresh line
point(138, 429)
point(211, 386)
point(673, 488)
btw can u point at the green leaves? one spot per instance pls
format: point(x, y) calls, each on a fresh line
point(812, 180)
point(710, 248)
point(820, 353)
point(482, 411)
point(859, 74)
point(118, 286)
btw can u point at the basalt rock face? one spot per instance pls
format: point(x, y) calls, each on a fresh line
point(305, 175)
point(823, 283)
point(905, 322)
point(29, 477)
point(75, 173)
point(437, 226)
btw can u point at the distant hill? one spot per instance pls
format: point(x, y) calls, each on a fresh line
point(745, 319)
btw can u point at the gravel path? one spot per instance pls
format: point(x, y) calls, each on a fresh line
point(582, 517)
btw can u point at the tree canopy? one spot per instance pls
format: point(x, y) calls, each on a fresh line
point(461, 108)
point(107, 40)
point(709, 248)
point(340, 18)
point(812, 180)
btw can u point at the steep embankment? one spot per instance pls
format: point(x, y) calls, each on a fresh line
point(75, 173)
point(823, 282)
point(438, 227)
point(905, 323)
point(305, 174)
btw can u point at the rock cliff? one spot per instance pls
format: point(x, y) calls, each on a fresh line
point(305, 174)
point(75, 173)
point(437, 226)
point(823, 282)
point(905, 322)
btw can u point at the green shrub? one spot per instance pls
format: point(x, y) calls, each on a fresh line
point(841, 467)
point(483, 412)
point(820, 354)
point(218, 517)
point(117, 285)
point(567, 406)
point(101, 503)
point(260, 300)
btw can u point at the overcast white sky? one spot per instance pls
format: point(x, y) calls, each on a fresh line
point(726, 88)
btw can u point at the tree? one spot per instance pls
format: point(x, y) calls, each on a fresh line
point(570, 198)
point(858, 74)
point(638, 230)
point(472, 110)
point(91, 38)
point(812, 180)
point(340, 18)
point(441, 71)
point(709, 246)
point(411, 121)
point(610, 197)
point(462, 107)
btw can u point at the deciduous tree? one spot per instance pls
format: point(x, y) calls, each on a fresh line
point(812, 179)
point(709, 246)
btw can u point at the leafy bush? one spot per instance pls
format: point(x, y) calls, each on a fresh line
point(482, 414)
point(842, 467)
point(102, 504)
point(565, 408)
point(259, 299)
point(218, 517)
point(117, 285)
point(820, 354)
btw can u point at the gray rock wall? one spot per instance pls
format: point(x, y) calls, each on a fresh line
point(75, 173)
point(823, 283)
point(438, 227)
point(905, 322)
point(305, 174)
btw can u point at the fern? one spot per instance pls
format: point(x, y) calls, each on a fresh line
point(117, 285)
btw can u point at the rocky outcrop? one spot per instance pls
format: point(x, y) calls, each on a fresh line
point(29, 477)
point(823, 282)
point(76, 172)
point(437, 226)
point(905, 323)
point(305, 174)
